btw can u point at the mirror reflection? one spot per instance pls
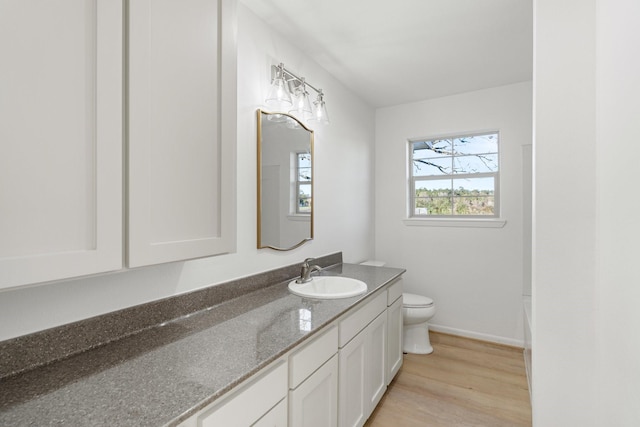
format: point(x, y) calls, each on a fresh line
point(285, 181)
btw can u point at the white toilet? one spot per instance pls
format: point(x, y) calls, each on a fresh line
point(416, 311)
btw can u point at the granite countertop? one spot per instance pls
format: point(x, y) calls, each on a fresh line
point(166, 373)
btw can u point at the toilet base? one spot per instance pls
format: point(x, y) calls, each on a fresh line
point(416, 339)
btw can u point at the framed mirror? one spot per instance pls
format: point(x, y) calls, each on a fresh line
point(285, 181)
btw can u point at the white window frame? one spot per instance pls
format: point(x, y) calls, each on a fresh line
point(298, 183)
point(458, 220)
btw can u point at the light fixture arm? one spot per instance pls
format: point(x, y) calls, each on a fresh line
point(291, 77)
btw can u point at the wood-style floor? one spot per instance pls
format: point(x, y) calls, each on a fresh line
point(464, 382)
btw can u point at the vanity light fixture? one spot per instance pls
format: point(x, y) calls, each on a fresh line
point(288, 92)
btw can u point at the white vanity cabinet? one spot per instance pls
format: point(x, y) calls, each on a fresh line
point(182, 129)
point(335, 378)
point(394, 330)
point(313, 382)
point(314, 403)
point(60, 139)
point(362, 360)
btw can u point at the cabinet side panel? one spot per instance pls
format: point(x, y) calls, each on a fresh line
point(394, 339)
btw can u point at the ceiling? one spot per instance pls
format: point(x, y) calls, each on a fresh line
point(400, 51)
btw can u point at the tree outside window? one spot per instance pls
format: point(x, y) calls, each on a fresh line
point(454, 177)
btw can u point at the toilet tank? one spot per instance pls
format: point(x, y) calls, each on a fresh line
point(373, 263)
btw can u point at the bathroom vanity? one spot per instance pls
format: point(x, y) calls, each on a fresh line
point(266, 357)
point(335, 378)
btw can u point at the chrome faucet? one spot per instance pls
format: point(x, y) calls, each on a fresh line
point(306, 270)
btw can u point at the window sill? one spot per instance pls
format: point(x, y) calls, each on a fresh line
point(455, 222)
point(299, 217)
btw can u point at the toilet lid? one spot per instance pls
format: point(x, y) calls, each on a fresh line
point(413, 300)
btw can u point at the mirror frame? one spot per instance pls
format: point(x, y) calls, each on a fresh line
point(259, 113)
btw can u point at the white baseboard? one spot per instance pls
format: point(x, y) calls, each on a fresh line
point(477, 335)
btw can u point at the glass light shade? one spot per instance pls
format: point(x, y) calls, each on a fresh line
point(279, 96)
point(320, 112)
point(302, 104)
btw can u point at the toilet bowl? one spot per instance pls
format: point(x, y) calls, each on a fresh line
point(416, 311)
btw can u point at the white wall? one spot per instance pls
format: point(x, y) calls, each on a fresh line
point(473, 274)
point(618, 153)
point(343, 201)
point(564, 218)
point(585, 277)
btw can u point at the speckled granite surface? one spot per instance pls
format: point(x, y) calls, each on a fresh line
point(166, 373)
point(40, 348)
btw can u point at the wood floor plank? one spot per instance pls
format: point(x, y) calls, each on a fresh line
point(464, 382)
point(443, 367)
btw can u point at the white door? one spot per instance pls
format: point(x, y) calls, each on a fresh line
point(182, 130)
point(60, 139)
point(314, 403)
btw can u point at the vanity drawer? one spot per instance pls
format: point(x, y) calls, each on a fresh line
point(358, 320)
point(305, 361)
point(394, 291)
point(251, 401)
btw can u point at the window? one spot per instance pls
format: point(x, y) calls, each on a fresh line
point(303, 183)
point(454, 177)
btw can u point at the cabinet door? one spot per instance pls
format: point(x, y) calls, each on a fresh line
point(394, 339)
point(351, 391)
point(375, 362)
point(315, 402)
point(182, 130)
point(60, 139)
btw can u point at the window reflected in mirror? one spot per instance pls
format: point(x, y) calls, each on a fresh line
point(303, 183)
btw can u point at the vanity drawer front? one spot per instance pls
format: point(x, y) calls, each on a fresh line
point(251, 401)
point(394, 292)
point(305, 361)
point(357, 321)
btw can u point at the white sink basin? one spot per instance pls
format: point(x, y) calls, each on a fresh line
point(329, 287)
